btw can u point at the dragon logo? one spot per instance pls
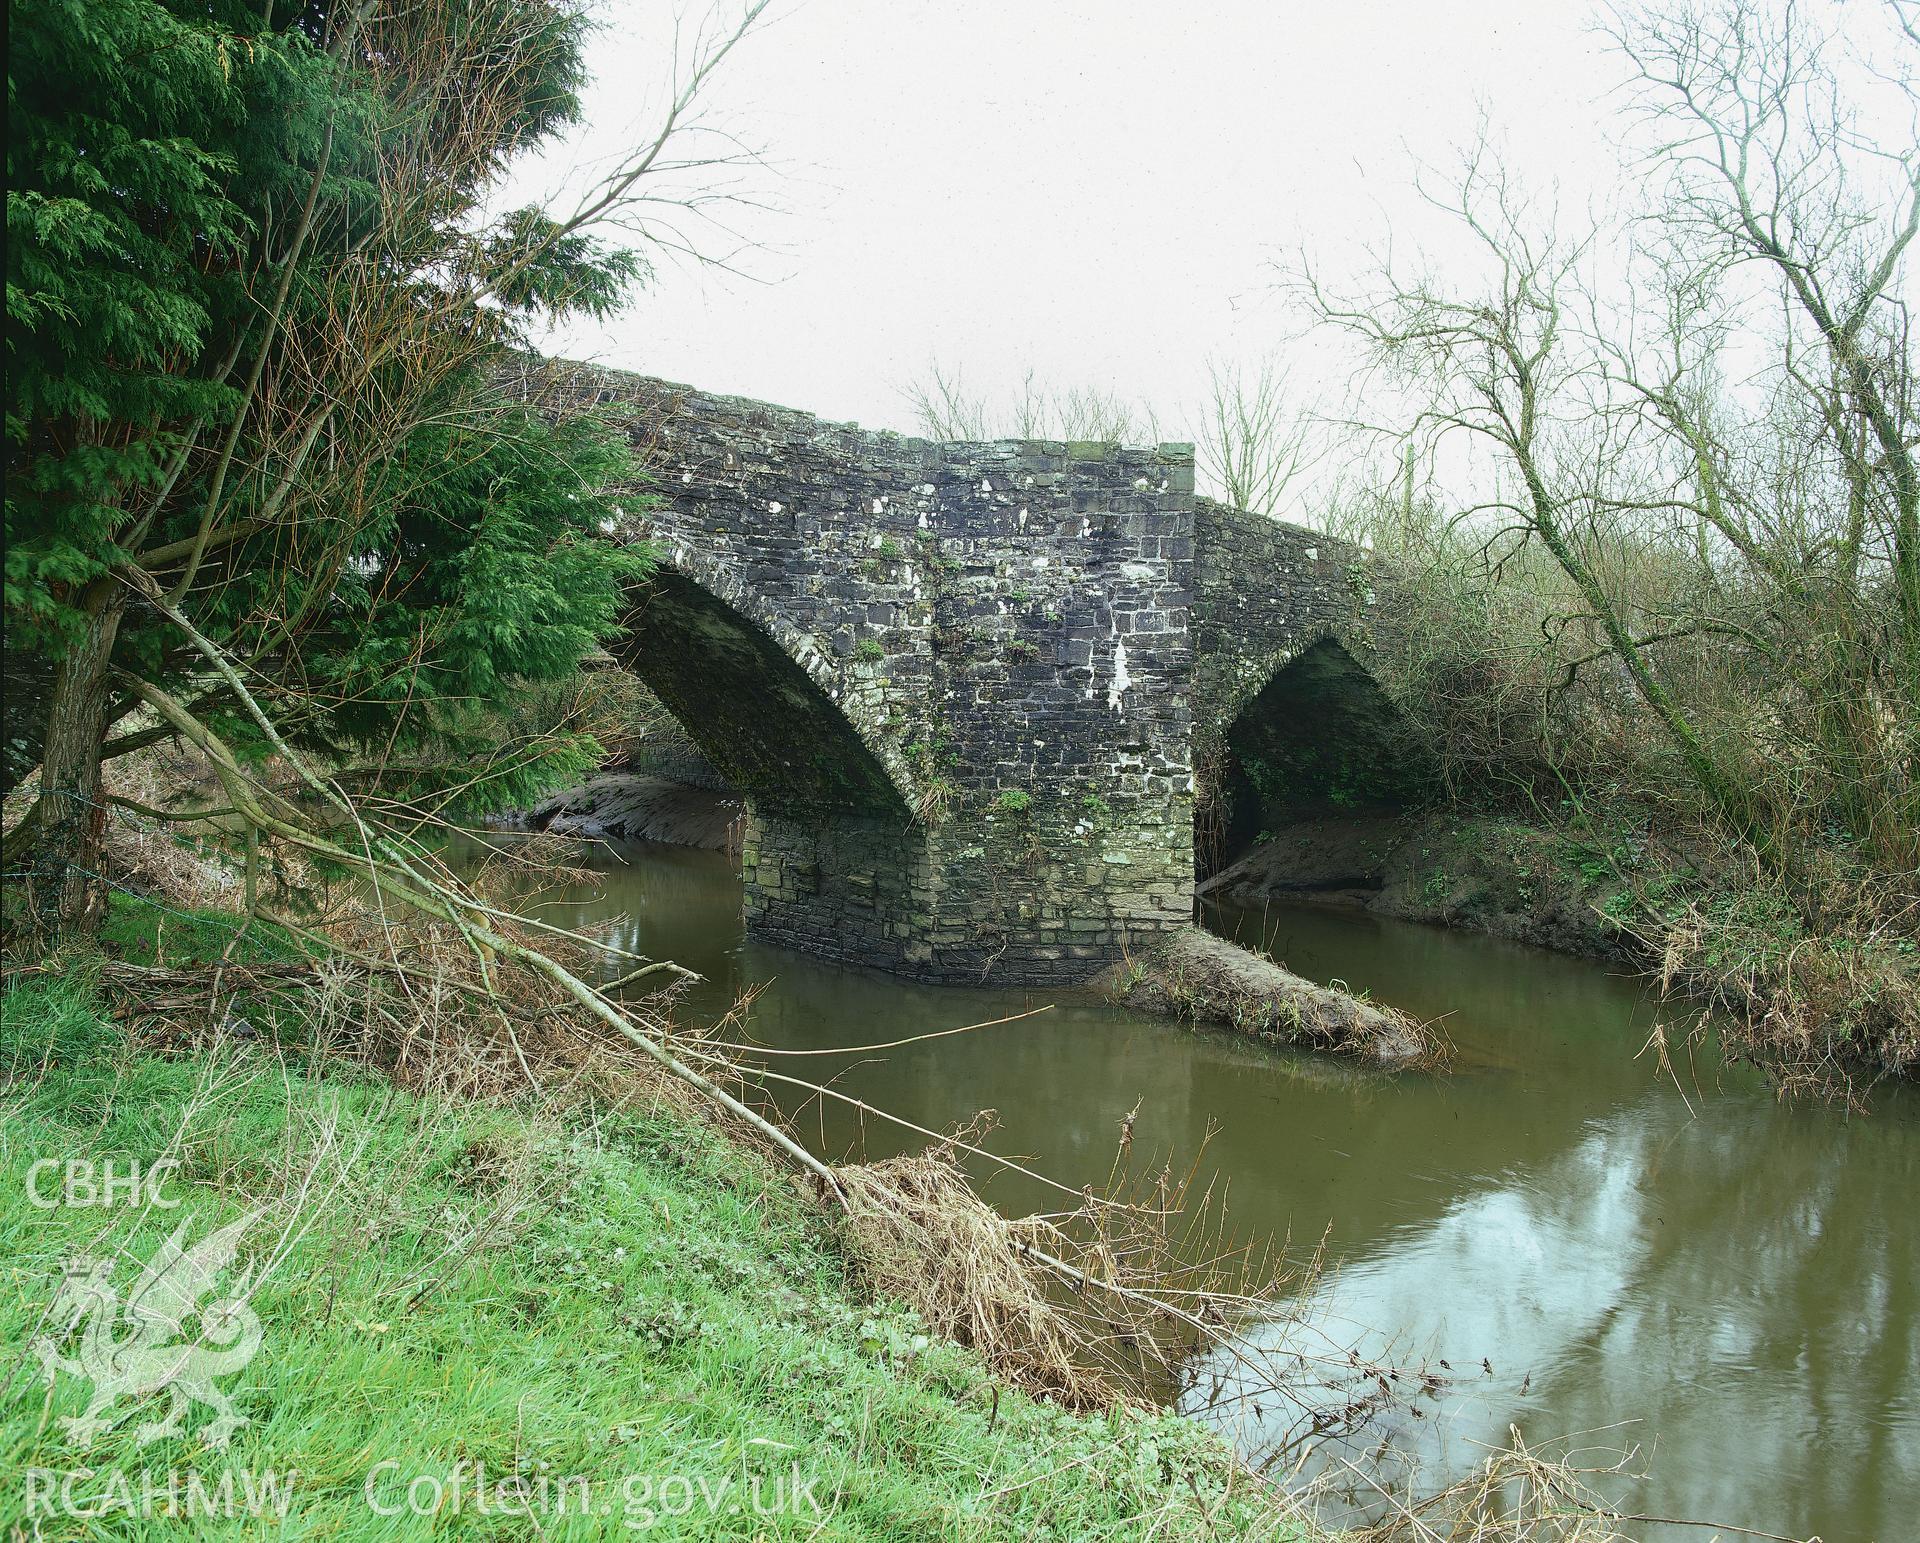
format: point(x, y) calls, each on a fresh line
point(142, 1346)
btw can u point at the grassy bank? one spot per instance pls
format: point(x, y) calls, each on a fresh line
point(580, 1289)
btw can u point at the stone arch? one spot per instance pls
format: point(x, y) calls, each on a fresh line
point(1311, 732)
point(1256, 669)
point(953, 678)
point(792, 728)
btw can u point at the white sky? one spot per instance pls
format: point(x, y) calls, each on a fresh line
point(1093, 191)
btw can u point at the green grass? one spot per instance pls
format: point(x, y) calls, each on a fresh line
point(543, 1290)
point(135, 928)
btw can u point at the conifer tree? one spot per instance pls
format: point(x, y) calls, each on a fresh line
point(255, 315)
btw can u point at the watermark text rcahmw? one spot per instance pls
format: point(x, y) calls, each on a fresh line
point(91, 1493)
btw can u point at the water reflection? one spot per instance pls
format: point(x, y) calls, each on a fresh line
point(1736, 1278)
point(1737, 1284)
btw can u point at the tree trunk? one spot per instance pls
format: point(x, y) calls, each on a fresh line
point(1728, 800)
point(68, 891)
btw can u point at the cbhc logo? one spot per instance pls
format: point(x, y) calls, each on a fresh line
point(81, 1181)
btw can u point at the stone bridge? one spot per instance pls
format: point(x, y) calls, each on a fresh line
point(966, 688)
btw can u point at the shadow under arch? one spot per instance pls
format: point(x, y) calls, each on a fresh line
point(768, 725)
point(834, 859)
point(1320, 736)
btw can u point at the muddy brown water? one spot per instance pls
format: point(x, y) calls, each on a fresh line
point(1668, 1261)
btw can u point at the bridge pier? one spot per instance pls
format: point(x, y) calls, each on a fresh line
point(1017, 664)
point(1044, 897)
point(953, 681)
point(845, 886)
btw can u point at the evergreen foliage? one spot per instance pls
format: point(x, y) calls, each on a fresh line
point(257, 315)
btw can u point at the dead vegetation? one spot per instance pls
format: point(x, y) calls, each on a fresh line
point(1097, 1304)
point(1517, 1494)
point(1194, 975)
point(397, 997)
point(1827, 1004)
point(922, 1235)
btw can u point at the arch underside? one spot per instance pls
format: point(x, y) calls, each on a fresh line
point(1320, 735)
point(754, 712)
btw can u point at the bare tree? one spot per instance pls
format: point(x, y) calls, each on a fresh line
point(1791, 147)
point(1254, 444)
point(689, 172)
point(1502, 364)
point(945, 408)
point(1704, 414)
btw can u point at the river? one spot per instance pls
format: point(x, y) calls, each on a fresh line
point(1662, 1259)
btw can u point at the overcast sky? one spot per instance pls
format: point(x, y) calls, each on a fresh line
point(1092, 191)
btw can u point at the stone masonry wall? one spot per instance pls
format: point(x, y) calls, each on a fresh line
point(977, 766)
point(1264, 593)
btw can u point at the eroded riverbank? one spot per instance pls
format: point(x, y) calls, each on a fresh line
point(1505, 878)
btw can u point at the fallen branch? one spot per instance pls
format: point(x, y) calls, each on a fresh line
point(401, 880)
